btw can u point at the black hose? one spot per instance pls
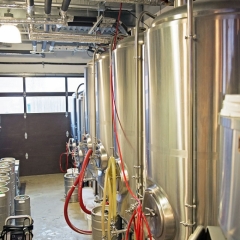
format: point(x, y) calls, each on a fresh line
point(65, 5)
point(31, 3)
point(47, 7)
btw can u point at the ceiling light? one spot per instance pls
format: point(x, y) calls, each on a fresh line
point(10, 34)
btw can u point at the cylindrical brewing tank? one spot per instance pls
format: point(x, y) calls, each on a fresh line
point(73, 117)
point(103, 102)
point(69, 179)
point(216, 73)
point(90, 98)
point(11, 163)
point(80, 116)
point(124, 73)
point(4, 191)
point(22, 207)
point(90, 112)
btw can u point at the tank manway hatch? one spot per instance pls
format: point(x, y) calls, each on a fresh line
point(159, 214)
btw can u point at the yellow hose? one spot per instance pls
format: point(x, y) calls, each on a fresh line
point(110, 190)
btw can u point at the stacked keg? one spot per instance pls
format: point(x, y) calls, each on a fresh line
point(11, 163)
point(4, 203)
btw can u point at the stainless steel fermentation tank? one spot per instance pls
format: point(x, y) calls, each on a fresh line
point(125, 89)
point(103, 109)
point(169, 122)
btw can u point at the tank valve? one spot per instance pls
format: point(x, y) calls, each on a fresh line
point(151, 212)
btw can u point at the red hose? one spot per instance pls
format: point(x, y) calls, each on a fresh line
point(67, 202)
point(80, 184)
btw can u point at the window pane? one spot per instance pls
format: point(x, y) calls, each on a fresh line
point(45, 84)
point(46, 104)
point(11, 84)
point(73, 83)
point(11, 105)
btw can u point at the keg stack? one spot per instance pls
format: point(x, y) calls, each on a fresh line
point(11, 163)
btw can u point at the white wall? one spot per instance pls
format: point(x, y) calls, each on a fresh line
point(42, 66)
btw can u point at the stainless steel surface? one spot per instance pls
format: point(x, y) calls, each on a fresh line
point(168, 124)
point(73, 117)
point(90, 110)
point(229, 211)
point(159, 213)
point(4, 191)
point(22, 207)
point(80, 117)
point(179, 3)
point(215, 233)
point(69, 179)
point(104, 106)
point(139, 89)
point(97, 222)
point(124, 74)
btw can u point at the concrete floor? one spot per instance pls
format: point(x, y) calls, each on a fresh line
point(47, 200)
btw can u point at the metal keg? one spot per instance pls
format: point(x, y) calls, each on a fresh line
point(97, 222)
point(4, 174)
point(22, 207)
point(5, 167)
point(11, 163)
point(3, 183)
point(4, 209)
point(69, 179)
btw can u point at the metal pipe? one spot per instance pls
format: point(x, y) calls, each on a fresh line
point(59, 37)
point(95, 104)
point(191, 160)
point(139, 84)
point(179, 3)
point(197, 233)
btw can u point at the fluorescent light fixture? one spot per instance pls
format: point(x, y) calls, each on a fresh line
point(10, 34)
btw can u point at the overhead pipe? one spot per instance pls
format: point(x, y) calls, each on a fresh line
point(140, 127)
